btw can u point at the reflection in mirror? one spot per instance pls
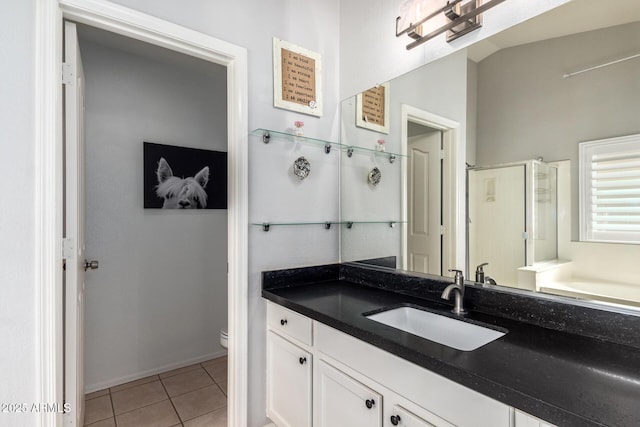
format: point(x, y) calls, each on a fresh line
point(517, 121)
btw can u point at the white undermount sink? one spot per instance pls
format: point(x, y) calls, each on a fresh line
point(454, 333)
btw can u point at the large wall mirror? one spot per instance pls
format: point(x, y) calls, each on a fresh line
point(474, 159)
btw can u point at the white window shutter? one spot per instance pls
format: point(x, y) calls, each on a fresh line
point(610, 190)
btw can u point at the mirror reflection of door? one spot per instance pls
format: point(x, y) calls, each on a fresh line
point(424, 240)
point(497, 221)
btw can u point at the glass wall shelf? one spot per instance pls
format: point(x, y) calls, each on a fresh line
point(267, 135)
point(266, 226)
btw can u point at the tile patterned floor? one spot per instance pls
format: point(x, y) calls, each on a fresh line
point(193, 396)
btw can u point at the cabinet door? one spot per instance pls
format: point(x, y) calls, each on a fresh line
point(289, 374)
point(342, 401)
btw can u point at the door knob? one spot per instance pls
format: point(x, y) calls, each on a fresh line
point(93, 265)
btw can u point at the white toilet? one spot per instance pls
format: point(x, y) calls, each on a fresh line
point(224, 338)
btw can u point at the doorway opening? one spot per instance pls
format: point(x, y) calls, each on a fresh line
point(159, 300)
point(49, 273)
point(433, 240)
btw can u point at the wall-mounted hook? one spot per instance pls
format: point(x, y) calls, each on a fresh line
point(327, 148)
point(349, 151)
point(265, 226)
point(327, 225)
point(392, 158)
point(349, 224)
point(266, 137)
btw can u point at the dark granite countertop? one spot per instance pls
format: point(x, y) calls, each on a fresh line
point(564, 378)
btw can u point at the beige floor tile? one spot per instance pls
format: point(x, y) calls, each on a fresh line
point(109, 422)
point(199, 402)
point(217, 361)
point(137, 397)
point(180, 371)
point(96, 394)
point(186, 382)
point(218, 373)
point(97, 409)
point(134, 383)
point(212, 419)
point(157, 415)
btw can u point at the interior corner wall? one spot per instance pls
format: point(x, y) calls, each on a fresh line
point(159, 298)
point(371, 53)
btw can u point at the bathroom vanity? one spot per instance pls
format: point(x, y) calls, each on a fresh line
point(330, 365)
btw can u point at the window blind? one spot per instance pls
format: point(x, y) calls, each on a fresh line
point(610, 190)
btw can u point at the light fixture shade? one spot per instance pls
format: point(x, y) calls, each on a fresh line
point(423, 20)
point(412, 11)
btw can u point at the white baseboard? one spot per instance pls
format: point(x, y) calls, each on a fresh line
point(90, 388)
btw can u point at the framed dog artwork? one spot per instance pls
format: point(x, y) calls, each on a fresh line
point(184, 178)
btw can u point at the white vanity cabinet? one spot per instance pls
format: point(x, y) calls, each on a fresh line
point(321, 377)
point(341, 401)
point(289, 368)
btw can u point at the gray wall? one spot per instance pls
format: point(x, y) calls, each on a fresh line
point(159, 298)
point(18, 310)
point(527, 109)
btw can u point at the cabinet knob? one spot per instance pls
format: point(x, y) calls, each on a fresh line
point(283, 322)
point(303, 360)
point(370, 403)
point(395, 419)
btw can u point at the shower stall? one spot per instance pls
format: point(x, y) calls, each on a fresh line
point(511, 217)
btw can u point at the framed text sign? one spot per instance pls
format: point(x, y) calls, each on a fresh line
point(296, 78)
point(372, 108)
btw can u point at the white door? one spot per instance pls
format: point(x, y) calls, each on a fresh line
point(289, 374)
point(424, 239)
point(341, 401)
point(73, 79)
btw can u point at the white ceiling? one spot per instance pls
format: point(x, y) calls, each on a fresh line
point(574, 17)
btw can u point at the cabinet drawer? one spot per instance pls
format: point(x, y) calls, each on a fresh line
point(289, 323)
point(402, 417)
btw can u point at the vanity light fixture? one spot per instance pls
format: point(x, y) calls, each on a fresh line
point(457, 17)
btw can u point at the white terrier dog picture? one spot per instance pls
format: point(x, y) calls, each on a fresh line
point(184, 178)
point(181, 193)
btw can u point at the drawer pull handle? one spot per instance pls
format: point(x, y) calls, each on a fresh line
point(283, 322)
point(303, 360)
point(395, 419)
point(370, 403)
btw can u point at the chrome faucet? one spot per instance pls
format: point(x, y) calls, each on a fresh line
point(458, 289)
point(480, 272)
point(488, 280)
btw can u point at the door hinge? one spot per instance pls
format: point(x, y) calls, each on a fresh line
point(68, 76)
point(441, 154)
point(442, 230)
point(525, 235)
point(68, 249)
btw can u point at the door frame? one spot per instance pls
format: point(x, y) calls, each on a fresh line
point(453, 185)
point(49, 179)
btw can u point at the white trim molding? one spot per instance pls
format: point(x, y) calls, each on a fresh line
point(48, 215)
point(453, 185)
